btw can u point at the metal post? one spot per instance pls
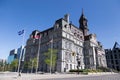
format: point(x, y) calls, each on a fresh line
point(39, 42)
point(19, 72)
point(51, 56)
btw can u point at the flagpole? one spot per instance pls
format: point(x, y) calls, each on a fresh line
point(23, 38)
point(51, 56)
point(39, 42)
point(19, 72)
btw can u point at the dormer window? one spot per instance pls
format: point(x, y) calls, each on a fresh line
point(65, 26)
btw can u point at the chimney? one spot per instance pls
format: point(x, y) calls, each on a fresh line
point(66, 17)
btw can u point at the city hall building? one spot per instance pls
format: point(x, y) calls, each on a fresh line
point(76, 48)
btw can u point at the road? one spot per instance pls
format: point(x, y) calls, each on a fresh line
point(100, 77)
point(24, 76)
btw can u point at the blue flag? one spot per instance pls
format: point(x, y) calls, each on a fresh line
point(20, 32)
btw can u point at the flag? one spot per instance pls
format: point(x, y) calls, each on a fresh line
point(37, 36)
point(21, 32)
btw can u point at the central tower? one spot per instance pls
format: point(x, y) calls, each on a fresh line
point(83, 24)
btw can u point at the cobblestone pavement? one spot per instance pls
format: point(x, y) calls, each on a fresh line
point(99, 76)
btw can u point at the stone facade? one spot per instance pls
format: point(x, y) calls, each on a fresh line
point(76, 48)
point(94, 54)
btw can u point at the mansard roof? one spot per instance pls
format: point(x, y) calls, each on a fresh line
point(116, 45)
point(47, 29)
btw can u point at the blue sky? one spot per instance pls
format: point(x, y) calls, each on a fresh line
point(103, 19)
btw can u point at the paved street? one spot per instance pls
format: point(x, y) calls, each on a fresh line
point(102, 77)
point(99, 76)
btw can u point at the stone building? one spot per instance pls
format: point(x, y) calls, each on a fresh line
point(113, 57)
point(76, 47)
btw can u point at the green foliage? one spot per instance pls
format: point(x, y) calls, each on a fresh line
point(34, 60)
point(87, 70)
point(99, 69)
point(1, 65)
point(14, 65)
point(30, 65)
point(82, 71)
point(7, 67)
point(104, 69)
point(51, 53)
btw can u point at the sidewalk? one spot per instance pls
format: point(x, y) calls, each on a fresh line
point(46, 76)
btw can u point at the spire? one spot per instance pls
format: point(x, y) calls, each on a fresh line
point(83, 23)
point(83, 20)
point(82, 15)
point(82, 11)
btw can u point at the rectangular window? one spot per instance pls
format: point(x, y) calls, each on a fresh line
point(111, 56)
point(116, 61)
point(118, 50)
point(113, 67)
point(112, 61)
point(115, 56)
point(114, 51)
point(117, 68)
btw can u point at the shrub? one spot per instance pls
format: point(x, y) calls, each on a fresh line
point(104, 69)
point(75, 70)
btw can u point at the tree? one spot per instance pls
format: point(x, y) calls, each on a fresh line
point(34, 63)
point(5, 66)
point(1, 66)
point(50, 57)
point(30, 65)
point(14, 65)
